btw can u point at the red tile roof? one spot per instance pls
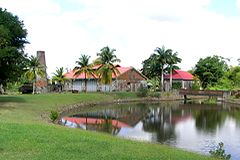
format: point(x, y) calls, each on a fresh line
point(180, 75)
point(70, 74)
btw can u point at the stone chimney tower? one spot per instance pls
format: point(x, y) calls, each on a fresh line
point(42, 82)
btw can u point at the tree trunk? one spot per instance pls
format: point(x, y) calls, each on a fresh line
point(170, 86)
point(60, 89)
point(162, 87)
point(34, 87)
point(85, 83)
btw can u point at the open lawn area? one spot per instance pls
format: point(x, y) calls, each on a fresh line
point(25, 134)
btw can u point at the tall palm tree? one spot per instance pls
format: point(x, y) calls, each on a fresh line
point(172, 59)
point(59, 77)
point(34, 69)
point(162, 55)
point(83, 66)
point(106, 61)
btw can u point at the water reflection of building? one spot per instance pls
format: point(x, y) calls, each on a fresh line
point(108, 120)
point(98, 124)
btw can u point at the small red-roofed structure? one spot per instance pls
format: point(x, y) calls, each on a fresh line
point(128, 79)
point(178, 76)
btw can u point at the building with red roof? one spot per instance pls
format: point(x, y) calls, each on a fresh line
point(128, 79)
point(185, 79)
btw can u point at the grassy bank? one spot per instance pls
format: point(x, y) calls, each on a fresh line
point(25, 134)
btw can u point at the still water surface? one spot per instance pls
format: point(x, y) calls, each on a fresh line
point(195, 127)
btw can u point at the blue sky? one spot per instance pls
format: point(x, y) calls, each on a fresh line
point(65, 29)
point(225, 7)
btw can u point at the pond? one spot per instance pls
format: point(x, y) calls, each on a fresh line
point(194, 126)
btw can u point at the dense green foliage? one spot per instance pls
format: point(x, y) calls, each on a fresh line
point(151, 67)
point(210, 70)
point(12, 41)
point(229, 81)
point(163, 60)
point(234, 75)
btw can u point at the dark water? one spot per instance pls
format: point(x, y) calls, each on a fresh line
point(195, 127)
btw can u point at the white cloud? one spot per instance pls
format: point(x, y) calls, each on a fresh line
point(133, 27)
point(238, 4)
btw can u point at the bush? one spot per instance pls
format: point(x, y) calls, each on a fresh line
point(142, 91)
point(196, 85)
point(54, 116)
point(220, 152)
point(176, 85)
point(154, 94)
point(166, 94)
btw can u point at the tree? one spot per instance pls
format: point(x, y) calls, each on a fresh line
point(34, 70)
point(106, 61)
point(210, 70)
point(12, 41)
point(152, 70)
point(59, 77)
point(172, 59)
point(151, 67)
point(234, 75)
point(83, 66)
point(162, 57)
point(159, 62)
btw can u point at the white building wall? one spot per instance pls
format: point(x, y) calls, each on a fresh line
point(77, 85)
point(94, 86)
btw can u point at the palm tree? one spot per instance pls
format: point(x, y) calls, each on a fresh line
point(107, 56)
point(172, 58)
point(83, 66)
point(59, 77)
point(106, 59)
point(162, 55)
point(34, 69)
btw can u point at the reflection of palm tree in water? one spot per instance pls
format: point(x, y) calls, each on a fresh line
point(209, 120)
point(159, 121)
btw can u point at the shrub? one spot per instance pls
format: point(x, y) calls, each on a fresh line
point(142, 91)
point(166, 94)
point(220, 152)
point(54, 116)
point(196, 85)
point(154, 94)
point(176, 85)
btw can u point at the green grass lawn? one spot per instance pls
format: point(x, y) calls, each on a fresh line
point(25, 134)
